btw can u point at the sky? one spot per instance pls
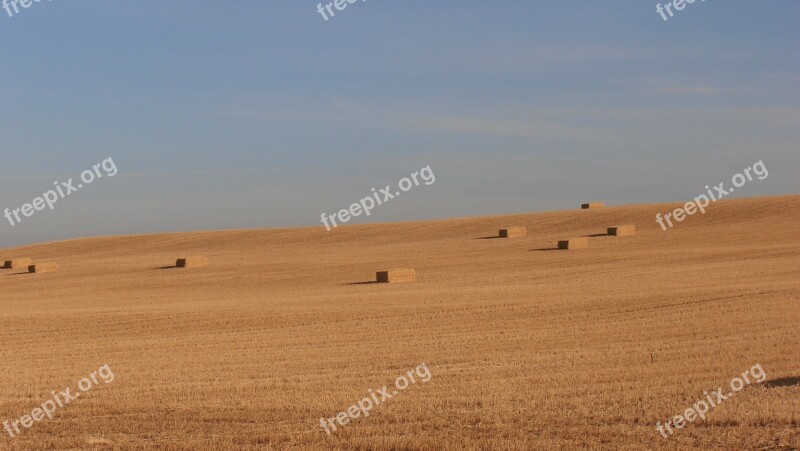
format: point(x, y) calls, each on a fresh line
point(261, 114)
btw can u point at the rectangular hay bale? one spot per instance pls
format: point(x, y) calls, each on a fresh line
point(592, 205)
point(622, 230)
point(196, 261)
point(574, 243)
point(17, 263)
point(397, 275)
point(41, 268)
point(513, 232)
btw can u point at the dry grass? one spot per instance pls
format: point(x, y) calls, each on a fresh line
point(528, 349)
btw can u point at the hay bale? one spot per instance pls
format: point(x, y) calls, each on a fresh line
point(397, 275)
point(17, 263)
point(513, 232)
point(196, 261)
point(574, 243)
point(592, 205)
point(622, 230)
point(41, 268)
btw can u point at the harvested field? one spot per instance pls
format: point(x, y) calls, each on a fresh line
point(527, 349)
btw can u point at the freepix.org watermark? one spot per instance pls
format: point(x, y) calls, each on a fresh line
point(677, 5)
point(711, 400)
point(58, 400)
point(61, 191)
point(702, 201)
point(339, 5)
point(368, 403)
point(8, 5)
point(379, 197)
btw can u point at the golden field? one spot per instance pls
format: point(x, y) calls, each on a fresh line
point(528, 347)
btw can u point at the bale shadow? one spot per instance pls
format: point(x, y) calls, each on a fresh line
point(782, 382)
point(20, 273)
point(167, 267)
point(595, 235)
point(494, 237)
point(361, 283)
point(545, 249)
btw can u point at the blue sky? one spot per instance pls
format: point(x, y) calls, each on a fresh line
point(247, 114)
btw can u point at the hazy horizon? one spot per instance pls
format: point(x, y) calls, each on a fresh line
point(250, 115)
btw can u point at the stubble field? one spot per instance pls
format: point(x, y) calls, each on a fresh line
point(528, 347)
